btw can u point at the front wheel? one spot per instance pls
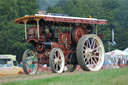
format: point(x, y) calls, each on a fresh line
point(90, 52)
point(57, 61)
point(29, 62)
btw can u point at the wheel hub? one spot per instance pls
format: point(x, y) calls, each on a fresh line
point(29, 61)
point(89, 52)
point(57, 61)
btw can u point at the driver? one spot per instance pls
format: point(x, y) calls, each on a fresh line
point(89, 29)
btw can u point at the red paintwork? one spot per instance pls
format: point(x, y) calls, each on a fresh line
point(39, 47)
point(74, 20)
point(32, 35)
point(78, 32)
point(65, 19)
point(64, 41)
point(55, 45)
point(44, 57)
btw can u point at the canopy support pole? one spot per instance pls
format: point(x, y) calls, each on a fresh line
point(25, 31)
point(38, 19)
point(38, 29)
point(96, 28)
point(25, 22)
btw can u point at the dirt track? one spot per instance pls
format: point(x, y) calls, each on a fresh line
point(5, 79)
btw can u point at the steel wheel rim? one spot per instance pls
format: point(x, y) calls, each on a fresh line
point(57, 62)
point(30, 65)
point(92, 50)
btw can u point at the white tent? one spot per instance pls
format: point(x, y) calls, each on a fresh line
point(126, 50)
point(116, 53)
point(117, 56)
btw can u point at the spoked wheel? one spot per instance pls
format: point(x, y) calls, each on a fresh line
point(29, 61)
point(57, 60)
point(71, 67)
point(90, 52)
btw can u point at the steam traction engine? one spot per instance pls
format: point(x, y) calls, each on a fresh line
point(62, 41)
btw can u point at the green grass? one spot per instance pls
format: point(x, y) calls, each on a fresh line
point(103, 77)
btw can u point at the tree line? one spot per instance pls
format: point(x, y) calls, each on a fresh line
point(114, 11)
point(12, 35)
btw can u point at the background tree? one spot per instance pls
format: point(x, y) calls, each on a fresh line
point(11, 34)
point(115, 11)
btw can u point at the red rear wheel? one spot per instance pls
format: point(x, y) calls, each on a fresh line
point(77, 33)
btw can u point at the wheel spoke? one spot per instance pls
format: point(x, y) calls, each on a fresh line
point(86, 44)
point(89, 43)
point(56, 67)
point(83, 51)
point(31, 68)
point(96, 53)
point(55, 55)
point(59, 57)
point(92, 41)
point(84, 47)
point(92, 54)
point(95, 58)
point(54, 62)
point(85, 56)
point(93, 62)
point(58, 60)
point(94, 45)
point(97, 48)
point(87, 61)
point(59, 65)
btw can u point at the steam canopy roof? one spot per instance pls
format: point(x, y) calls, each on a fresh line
point(53, 19)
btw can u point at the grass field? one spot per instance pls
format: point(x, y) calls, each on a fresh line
point(102, 77)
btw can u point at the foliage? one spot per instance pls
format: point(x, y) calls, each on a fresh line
point(12, 35)
point(114, 11)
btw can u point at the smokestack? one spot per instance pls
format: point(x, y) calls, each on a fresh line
point(42, 12)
